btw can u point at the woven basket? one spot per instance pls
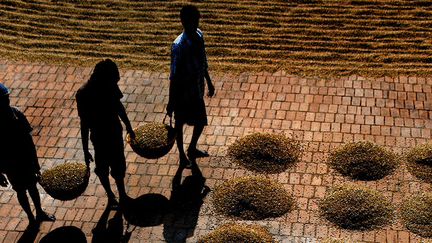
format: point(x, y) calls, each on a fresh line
point(63, 182)
point(152, 152)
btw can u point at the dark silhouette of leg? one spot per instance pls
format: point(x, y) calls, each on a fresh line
point(25, 204)
point(34, 194)
point(121, 189)
point(184, 161)
point(106, 185)
point(193, 152)
point(40, 214)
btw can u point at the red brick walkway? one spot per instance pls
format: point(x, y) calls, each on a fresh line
point(321, 113)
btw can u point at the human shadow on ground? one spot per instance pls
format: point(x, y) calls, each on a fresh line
point(110, 230)
point(65, 234)
point(179, 214)
point(184, 205)
point(146, 210)
point(29, 235)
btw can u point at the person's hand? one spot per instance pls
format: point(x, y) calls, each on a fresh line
point(3, 181)
point(131, 134)
point(88, 158)
point(211, 91)
point(169, 110)
point(38, 175)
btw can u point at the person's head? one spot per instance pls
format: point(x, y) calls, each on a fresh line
point(189, 16)
point(4, 97)
point(105, 72)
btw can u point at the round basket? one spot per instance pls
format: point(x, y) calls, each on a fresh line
point(152, 140)
point(66, 181)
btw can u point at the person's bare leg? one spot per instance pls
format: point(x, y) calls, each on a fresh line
point(184, 161)
point(40, 214)
point(193, 152)
point(121, 189)
point(25, 204)
point(106, 185)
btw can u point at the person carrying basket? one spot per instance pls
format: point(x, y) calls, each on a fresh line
point(99, 108)
point(188, 71)
point(18, 159)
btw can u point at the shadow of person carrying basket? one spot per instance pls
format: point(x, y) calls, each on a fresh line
point(111, 230)
point(147, 210)
point(179, 214)
point(184, 204)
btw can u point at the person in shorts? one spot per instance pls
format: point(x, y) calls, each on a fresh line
point(99, 108)
point(18, 159)
point(186, 95)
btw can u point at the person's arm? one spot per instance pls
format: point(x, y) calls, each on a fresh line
point(84, 128)
point(173, 92)
point(84, 139)
point(35, 159)
point(28, 142)
point(211, 89)
point(205, 191)
point(3, 181)
point(125, 119)
point(171, 98)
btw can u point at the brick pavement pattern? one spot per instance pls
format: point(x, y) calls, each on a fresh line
point(320, 113)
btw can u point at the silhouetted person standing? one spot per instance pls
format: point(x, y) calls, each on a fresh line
point(188, 71)
point(99, 108)
point(18, 159)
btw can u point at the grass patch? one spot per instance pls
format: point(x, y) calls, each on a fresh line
point(232, 232)
point(416, 212)
point(419, 161)
point(356, 207)
point(267, 153)
point(363, 160)
point(252, 198)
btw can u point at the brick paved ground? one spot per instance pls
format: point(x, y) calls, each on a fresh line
point(321, 113)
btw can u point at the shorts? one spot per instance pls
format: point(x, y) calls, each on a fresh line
point(191, 113)
point(22, 180)
point(110, 154)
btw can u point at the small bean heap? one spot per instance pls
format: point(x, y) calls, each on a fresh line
point(232, 232)
point(252, 198)
point(419, 161)
point(151, 135)
point(426, 241)
point(363, 160)
point(416, 212)
point(356, 207)
point(265, 152)
point(64, 177)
